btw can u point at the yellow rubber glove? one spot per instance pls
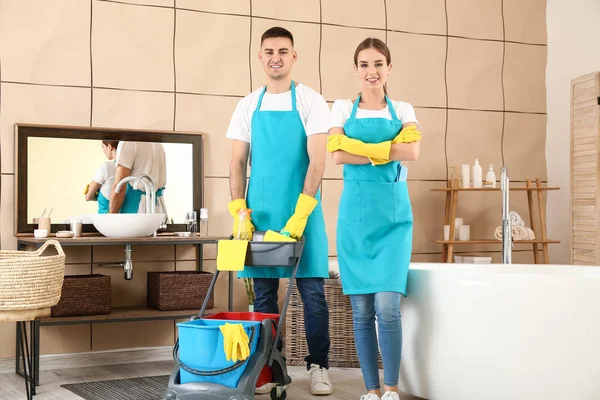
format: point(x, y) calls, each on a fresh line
point(234, 207)
point(354, 146)
point(407, 135)
point(297, 223)
point(235, 342)
point(87, 188)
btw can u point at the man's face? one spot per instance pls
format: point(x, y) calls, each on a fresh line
point(277, 56)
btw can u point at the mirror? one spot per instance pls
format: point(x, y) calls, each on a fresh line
point(54, 165)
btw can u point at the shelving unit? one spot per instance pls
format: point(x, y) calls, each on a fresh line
point(540, 244)
point(117, 314)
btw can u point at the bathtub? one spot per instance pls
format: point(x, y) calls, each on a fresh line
point(501, 332)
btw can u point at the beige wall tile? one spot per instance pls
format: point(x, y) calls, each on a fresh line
point(228, 7)
point(216, 198)
point(210, 250)
point(78, 269)
point(337, 60)
point(108, 253)
point(222, 287)
point(7, 336)
point(474, 74)
point(426, 258)
point(428, 215)
point(308, 10)
point(185, 251)
point(306, 44)
point(353, 13)
point(422, 16)
point(332, 171)
point(471, 135)
point(432, 159)
point(480, 19)
point(45, 42)
point(525, 78)
point(159, 3)
point(332, 191)
point(64, 339)
point(78, 254)
point(132, 47)
point(7, 239)
point(417, 69)
point(187, 266)
point(209, 115)
point(525, 146)
point(525, 21)
point(130, 109)
point(132, 293)
point(39, 105)
point(125, 335)
point(153, 253)
point(208, 66)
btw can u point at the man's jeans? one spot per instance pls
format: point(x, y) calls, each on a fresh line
point(316, 313)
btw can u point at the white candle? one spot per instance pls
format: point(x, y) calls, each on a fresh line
point(464, 233)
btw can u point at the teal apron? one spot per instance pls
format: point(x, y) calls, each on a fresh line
point(279, 162)
point(131, 204)
point(375, 221)
point(103, 203)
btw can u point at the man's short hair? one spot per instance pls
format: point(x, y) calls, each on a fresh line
point(276, 32)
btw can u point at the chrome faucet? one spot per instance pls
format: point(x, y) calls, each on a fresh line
point(507, 242)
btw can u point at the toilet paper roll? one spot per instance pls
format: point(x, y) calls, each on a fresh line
point(464, 233)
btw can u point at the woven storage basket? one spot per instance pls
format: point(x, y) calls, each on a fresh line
point(30, 282)
point(84, 295)
point(342, 352)
point(178, 290)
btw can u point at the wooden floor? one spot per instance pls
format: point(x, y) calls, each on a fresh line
point(347, 383)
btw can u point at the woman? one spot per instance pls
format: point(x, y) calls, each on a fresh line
point(371, 136)
point(99, 188)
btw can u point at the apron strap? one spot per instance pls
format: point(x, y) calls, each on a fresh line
point(262, 94)
point(391, 107)
point(354, 108)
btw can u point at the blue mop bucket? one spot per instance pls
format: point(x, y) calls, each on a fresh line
point(202, 355)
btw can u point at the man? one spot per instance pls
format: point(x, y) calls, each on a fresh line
point(283, 127)
point(135, 159)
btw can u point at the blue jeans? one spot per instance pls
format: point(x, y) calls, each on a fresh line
point(316, 313)
point(386, 306)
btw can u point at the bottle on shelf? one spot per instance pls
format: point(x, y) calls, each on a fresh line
point(477, 175)
point(465, 176)
point(490, 178)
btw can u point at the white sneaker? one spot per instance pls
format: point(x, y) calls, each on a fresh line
point(320, 383)
point(265, 389)
point(370, 396)
point(390, 396)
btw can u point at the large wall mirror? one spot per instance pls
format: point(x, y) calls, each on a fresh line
point(55, 163)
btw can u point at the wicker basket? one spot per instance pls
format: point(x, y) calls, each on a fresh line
point(179, 290)
point(84, 295)
point(342, 352)
point(29, 282)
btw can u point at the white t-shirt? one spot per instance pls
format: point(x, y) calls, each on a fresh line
point(105, 176)
point(341, 110)
point(313, 109)
point(144, 158)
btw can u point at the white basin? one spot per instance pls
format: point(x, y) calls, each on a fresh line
point(127, 225)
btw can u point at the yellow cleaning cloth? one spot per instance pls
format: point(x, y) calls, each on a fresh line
point(272, 236)
point(231, 255)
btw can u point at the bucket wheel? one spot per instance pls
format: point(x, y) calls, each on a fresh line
point(278, 393)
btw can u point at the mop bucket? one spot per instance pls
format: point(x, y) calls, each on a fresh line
point(202, 356)
point(266, 375)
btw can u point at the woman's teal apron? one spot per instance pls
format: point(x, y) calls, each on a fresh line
point(375, 221)
point(279, 162)
point(131, 204)
point(103, 203)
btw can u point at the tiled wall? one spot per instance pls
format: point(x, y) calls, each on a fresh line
point(475, 72)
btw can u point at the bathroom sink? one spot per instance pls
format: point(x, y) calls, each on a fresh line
point(127, 225)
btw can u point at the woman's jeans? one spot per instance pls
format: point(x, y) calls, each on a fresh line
point(386, 306)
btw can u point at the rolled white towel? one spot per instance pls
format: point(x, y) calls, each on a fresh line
point(515, 219)
point(517, 233)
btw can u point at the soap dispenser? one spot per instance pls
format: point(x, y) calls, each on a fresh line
point(477, 175)
point(490, 178)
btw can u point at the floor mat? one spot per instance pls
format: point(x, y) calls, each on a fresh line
point(148, 388)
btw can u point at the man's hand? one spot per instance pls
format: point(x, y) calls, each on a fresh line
point(297, 223)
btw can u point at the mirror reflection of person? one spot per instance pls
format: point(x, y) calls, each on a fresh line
point(100, 186)
point(135, 159)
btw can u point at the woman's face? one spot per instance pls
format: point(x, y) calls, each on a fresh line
point(372, 69)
